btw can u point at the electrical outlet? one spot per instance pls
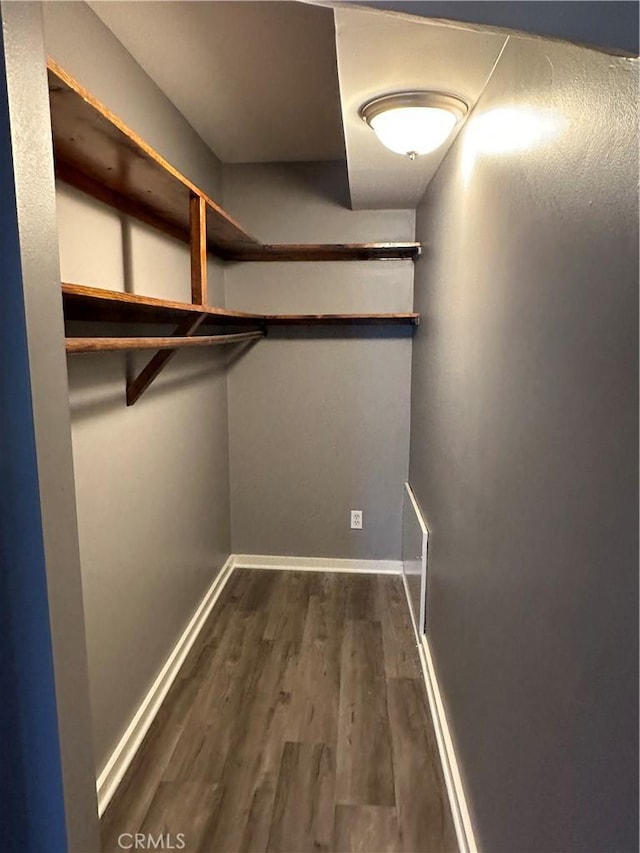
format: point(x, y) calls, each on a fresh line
point(356, 519)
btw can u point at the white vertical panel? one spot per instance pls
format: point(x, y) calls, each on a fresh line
point(415, 537)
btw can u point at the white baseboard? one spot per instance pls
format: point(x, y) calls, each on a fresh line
point(457, 799)
point(317, 564)
point(413, 618)
point(131, 740)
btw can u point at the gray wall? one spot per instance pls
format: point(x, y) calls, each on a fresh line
point(47, 783)
point(524, 448)
point(152, 480)
point(318, 422)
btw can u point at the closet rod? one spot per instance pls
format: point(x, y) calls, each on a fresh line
point(75, 345)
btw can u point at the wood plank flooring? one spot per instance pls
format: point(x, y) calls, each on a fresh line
point(299, 722)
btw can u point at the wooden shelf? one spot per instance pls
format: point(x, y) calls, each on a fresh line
point(99, 155)
point(341, 319)
point(110, 306)
point(95, 304)
point(328, 252)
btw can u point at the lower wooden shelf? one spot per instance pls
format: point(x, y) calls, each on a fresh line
point(93, 304)
point(97, 305)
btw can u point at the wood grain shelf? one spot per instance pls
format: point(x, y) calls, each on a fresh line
point(110, 306)
point(95, 304)
point(98, 154)
point(328, 252)
point(341, 319)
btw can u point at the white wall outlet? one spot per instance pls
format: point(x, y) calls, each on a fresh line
point(356, 519)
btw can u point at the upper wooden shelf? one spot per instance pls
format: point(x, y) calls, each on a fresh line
point(99, 155)
point(341, 319)
point(96, 304)
point(327, 252)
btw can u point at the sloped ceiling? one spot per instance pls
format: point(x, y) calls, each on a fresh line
point(379, 54)
point(258, 81)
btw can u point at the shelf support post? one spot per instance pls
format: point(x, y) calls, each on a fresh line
point(198, 244)
point(137, 386)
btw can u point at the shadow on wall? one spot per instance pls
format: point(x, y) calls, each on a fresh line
point(329, 333)
point(97, 381)
point(326, 180)
point(313, 179)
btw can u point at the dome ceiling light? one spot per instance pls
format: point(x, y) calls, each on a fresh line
point(413, 123)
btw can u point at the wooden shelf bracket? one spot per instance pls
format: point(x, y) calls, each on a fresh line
point(136, 387)
point(183, 337)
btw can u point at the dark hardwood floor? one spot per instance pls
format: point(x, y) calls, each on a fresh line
point(299, 722)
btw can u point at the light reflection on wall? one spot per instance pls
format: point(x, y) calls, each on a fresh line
point(505, 130)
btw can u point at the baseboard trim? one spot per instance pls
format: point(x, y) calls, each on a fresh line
point(405, 584)
point(457, 799)
point(317, 564)
point(131, 740)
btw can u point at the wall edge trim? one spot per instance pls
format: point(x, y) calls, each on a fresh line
point(448, 759)
point(446, 751)
point(457, 798)
point(317, 564)
point(126, 749)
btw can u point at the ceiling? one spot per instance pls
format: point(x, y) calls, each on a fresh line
point(383, 53)
point(283, 81)
point(257, 80)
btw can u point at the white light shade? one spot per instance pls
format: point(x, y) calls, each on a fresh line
point(413, 123)
point(413, 130)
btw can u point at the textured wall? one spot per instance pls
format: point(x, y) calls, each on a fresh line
point(524, 448)
point(47, 782)
point(318, 422)
point(152, 480)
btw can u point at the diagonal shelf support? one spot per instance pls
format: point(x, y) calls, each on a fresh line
point(137, 386)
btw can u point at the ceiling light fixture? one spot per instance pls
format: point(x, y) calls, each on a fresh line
point(413, 123)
